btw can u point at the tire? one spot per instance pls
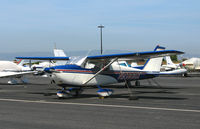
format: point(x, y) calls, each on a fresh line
point(137, 83)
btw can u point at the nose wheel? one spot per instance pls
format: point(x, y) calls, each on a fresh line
point(71, 92)
point(104, 92)
point(61, 94)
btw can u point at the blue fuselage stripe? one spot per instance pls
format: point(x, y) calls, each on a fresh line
point(118, 75)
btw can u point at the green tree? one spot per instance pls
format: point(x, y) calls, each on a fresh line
point(174, 58)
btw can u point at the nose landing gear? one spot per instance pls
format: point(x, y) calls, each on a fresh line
point(71, 92)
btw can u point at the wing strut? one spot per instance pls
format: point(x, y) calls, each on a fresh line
point(101, 70)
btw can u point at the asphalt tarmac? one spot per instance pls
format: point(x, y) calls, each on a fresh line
point(163, 103)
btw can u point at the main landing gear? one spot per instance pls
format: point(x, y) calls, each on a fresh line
point(71, 92)
point(132, 96)
point(137, 83)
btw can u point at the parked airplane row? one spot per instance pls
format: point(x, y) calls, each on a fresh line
point(93, 70)
point(103, 70)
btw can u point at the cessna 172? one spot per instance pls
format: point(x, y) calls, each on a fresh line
point(103, 70)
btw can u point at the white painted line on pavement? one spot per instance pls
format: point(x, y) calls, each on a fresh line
point(101, 105)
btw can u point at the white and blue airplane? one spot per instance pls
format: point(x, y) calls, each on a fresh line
point(103, 70)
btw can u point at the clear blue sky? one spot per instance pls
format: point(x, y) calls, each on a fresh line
point(34, 25)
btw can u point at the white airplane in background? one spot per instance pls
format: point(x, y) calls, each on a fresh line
point(14, 71)
point(170, 65)
point(173, 69)
point(103, 70)
point(42, 65)
point(59, 53)
point(192, 64)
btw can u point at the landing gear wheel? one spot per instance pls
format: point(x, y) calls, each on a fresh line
point(185, 75)
point(62, 94)
point(128, 84)
point(137, 83)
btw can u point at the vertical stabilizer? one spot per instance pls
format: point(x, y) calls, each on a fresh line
point(59, 53)
point(20, 62)
point(169, 61)
point(154, 64)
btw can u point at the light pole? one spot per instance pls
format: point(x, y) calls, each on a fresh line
point(101, 26)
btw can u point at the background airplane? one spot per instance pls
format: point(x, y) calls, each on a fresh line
point(192, 64)
point(44, 64)
point(14, 71)
point(170, 65)
point(41, 65)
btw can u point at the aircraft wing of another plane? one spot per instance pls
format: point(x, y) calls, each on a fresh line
point(14, 74)
point(43, 58)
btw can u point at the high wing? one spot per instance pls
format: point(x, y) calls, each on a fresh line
point(105, 59)
point(138, 55)
point(43, 58)
point(126, 56)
